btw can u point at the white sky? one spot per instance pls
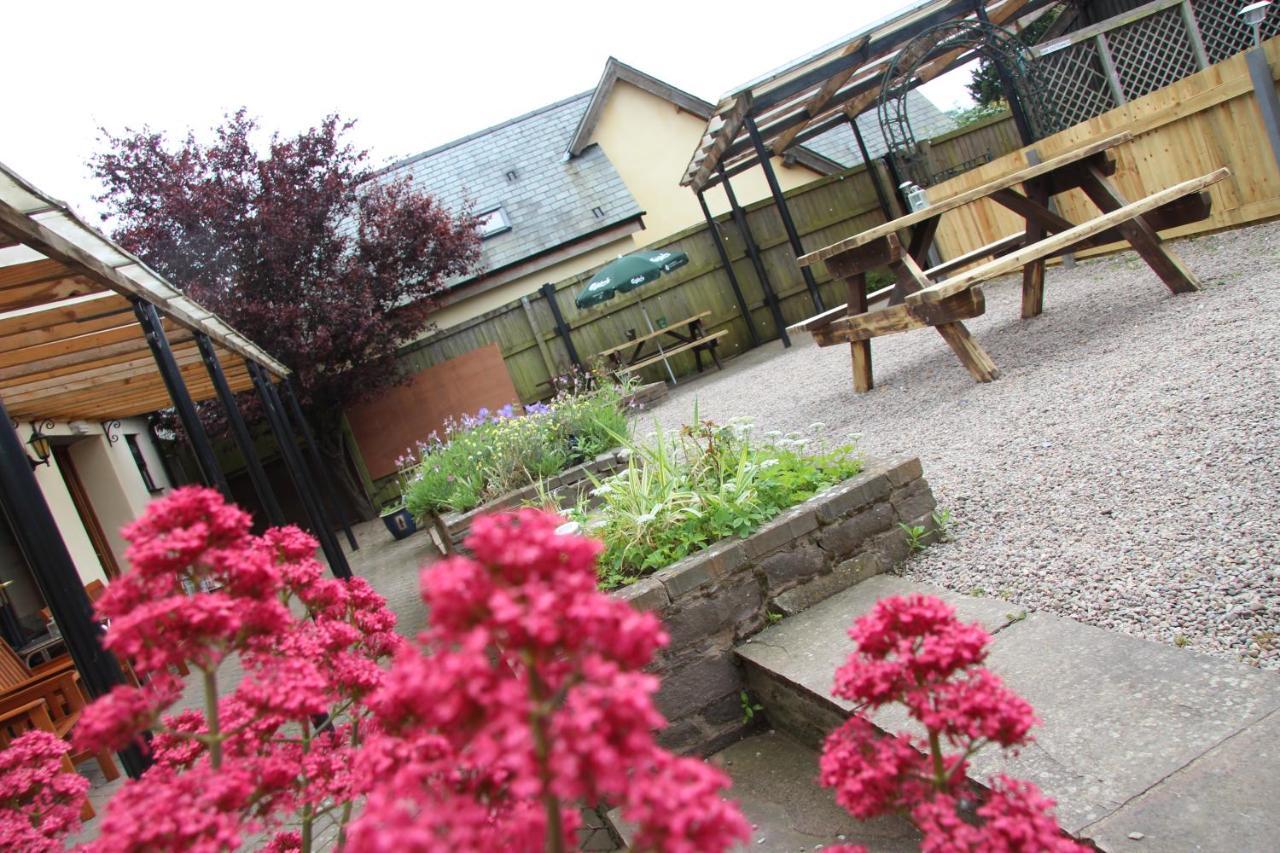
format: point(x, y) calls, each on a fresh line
point(413, 74)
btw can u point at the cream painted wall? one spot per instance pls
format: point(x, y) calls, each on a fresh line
point(68, 521)
point(473, 306)
point(649, 140)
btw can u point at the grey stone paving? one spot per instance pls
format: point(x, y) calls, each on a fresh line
point(1132, 730)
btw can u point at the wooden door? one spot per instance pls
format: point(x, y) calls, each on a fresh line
point(84, 507)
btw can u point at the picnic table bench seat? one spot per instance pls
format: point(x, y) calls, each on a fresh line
point(922, 301)
point(704, 341)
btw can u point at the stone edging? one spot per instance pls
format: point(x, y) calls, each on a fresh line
point(713, 600)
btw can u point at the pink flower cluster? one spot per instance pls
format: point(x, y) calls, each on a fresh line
point(280, 745)
point(525, 700)
point(39, 802)
point(914, 652)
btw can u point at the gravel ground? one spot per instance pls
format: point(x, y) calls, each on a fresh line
point(1124, 470)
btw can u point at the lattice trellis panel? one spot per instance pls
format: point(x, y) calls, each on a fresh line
point(1074, 78)
point(1151, 53)
point(1223, 30)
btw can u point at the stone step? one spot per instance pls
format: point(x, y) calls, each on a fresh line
point(775, 782)
point(1137, 738)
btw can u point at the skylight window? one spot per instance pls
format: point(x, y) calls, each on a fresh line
point(493, 222)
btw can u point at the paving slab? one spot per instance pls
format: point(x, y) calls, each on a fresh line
point(775, 782)
point(1120, 716)
point(1238, 808)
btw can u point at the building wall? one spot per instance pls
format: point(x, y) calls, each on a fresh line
point(110, 477)
point(649, 140)
point(474, 306)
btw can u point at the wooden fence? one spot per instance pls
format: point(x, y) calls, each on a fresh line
point(1190, 128)
point(825, 210)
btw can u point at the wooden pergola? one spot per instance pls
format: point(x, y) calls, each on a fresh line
point(89, 333)
point(773, 114)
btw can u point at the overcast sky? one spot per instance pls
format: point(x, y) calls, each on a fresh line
point(413, 74)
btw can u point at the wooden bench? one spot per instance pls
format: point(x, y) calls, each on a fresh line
point(708, 342)
point(944, 304)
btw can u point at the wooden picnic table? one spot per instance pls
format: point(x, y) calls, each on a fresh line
point(688, 336)
point(923, 297)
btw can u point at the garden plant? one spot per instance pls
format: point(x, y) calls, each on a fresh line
point(707, 482)
point(485, 456)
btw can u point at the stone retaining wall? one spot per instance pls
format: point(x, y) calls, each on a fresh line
point(565, 488)
point(713, 600)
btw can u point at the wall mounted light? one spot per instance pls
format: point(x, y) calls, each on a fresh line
point(39, 444)
point(1254, 14)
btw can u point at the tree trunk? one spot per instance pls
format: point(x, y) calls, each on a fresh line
point(332, 448)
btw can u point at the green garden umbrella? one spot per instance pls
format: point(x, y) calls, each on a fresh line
point(626, 273)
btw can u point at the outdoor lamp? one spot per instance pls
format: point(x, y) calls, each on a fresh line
point(39, 444)
point(1254, 14)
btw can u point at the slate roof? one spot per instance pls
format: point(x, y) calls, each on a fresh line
point(549, 201)
point(927, 121)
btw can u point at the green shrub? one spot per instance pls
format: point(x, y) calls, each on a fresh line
point(703, 484)
point(490, 454)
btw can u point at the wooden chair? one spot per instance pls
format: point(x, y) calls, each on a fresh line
point(95, 589)
point(26, 717)
point(57, 684)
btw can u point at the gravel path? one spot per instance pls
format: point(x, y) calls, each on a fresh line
point(1125, 468)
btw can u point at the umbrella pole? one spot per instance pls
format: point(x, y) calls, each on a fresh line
point(657, 342)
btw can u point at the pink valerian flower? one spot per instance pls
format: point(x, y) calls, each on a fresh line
point(116, 719)
point(40, 798)
point(913, 651)
point(525, 700)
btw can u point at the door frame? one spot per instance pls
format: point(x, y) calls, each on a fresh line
point(84, 508)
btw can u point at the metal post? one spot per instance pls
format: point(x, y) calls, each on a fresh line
point(261, 485)
point(298, 473)
point(793, 236)
point(753, 252)
point(882, 197)
point(714, 230)
point(328, 494)
point(1020, 119)
point(55, 574)
point(1109, 69)
point(207, 461)
point(1264, 92)
point(562, 328)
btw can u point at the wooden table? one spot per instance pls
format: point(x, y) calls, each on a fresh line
point(688, 335)
point(928, 298)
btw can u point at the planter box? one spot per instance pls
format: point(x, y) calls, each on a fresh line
point(565, 488)
point(713, 600)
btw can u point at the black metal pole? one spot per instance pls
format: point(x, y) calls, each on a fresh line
point(562, 328)
point(714, 230)
point(55, 574)
point(321, 473)
point(882, 197)
point(298, 473)
point(793, 236)
point(1020, 118)
point(753, 252)
point(240, 430)
point(206, 460)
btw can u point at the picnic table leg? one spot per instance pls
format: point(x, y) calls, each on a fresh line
point(859, 351)
point(1033, 273)
point(971, 354)
point(1145, 241)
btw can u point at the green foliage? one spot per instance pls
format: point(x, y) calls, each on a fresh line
point(491, 454)
point(965, 116)
point(942, 522)
point(984, 87)
point(706, 483)
point(749, 708)
point(916, 534)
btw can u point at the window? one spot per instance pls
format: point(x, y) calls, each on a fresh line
point(493, 222)
point(141, 462)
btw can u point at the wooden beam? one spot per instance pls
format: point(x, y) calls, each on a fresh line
point(967, 197)
point(31, 295)
point(126, 358)
point(99, 305)
point(31, 272)
point(91, 376)
point(61, 331)
point(818, 101)
point(901, 318)
point(79, 357)
point(1070, 237)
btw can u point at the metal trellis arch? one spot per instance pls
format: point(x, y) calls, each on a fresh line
point(973, 39)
